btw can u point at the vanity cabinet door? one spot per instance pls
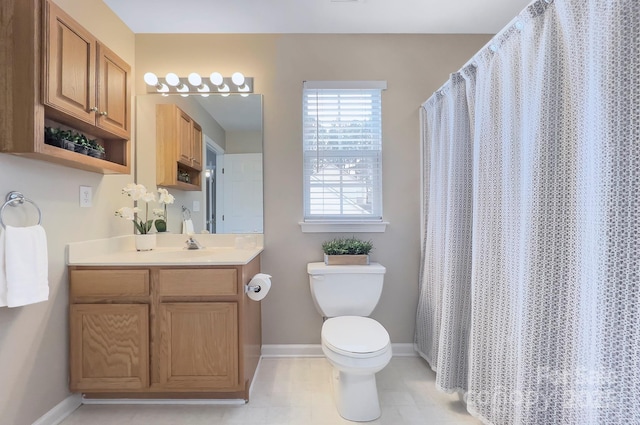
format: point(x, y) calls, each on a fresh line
point(109, 348)
point(69, 66)
point(199, 346)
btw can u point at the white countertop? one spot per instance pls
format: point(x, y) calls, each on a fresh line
point(219, 250)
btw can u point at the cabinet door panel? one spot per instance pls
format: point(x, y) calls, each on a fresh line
point(185, 136)
point(69, 66)
point(109, 347)
point(199, 346)
point(196, 149)
point(113, 89)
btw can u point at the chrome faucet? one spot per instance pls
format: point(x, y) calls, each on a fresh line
point(193, 244)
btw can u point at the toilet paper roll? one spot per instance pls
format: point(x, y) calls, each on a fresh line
point(259, 286)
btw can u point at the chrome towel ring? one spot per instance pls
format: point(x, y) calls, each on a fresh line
point(14, 199)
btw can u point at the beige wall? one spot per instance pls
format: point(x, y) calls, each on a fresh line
point(34, 339)
point(244, 142)
point(413, 65)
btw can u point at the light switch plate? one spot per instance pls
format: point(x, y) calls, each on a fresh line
point(86, 196)
point(196, 206)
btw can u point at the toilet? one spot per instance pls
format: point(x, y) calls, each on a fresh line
point(355, 345)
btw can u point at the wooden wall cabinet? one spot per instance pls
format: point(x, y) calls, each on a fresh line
point(163, 332)
point(178, 148)
point(57, 74)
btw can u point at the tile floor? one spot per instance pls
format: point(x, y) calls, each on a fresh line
point(297, 391)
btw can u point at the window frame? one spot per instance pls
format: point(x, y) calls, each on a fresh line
point(343, 222)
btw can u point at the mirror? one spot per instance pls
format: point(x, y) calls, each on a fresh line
point(231, 199)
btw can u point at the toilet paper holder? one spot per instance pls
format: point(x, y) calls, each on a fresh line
point(255, 287)
point(252, 288)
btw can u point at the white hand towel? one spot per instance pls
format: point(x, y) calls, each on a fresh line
point(187, 227)
point(26, 265)
point(3, 273)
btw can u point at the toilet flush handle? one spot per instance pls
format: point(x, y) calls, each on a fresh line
point(318, 277)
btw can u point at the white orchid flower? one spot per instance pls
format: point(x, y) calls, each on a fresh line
point(158, 212)
point(148, 197)
point(126, 212)
point(164, 197)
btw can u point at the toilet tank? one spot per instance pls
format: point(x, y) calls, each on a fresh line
point(345, 290)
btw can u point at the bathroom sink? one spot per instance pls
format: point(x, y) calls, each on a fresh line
point(182, 254)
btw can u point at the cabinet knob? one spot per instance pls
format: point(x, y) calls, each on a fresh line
point(94, 109)
point(103, 113)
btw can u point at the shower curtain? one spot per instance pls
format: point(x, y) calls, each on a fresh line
point(530, 285)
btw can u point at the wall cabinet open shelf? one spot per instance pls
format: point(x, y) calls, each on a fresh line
point(56, 71)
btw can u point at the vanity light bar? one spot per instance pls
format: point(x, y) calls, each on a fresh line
point(194, 84)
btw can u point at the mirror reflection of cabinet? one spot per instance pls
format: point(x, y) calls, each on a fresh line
point(178, 149)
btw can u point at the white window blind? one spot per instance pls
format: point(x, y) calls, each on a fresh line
point(342, 144)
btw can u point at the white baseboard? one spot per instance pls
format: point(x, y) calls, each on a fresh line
point(161, 401)
point(61, 411)
point(315, 350)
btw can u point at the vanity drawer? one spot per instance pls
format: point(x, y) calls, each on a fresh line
point(109, 283)
point(198, 282)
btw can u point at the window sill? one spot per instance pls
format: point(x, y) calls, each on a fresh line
point(343, 226)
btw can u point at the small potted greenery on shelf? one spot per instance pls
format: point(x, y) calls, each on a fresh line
point(342, 251)
point(96, 150)
point(59, 138)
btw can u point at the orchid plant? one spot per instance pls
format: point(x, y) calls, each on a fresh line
point(164, 198)
point(137, 192)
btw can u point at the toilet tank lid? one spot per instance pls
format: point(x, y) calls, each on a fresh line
point(322, 268)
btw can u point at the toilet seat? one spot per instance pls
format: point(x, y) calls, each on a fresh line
point(355, 336)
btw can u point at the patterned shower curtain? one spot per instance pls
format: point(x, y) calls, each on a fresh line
point(530, 285)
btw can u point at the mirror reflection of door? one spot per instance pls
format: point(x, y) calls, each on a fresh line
point(210, 188)
point(242, 193)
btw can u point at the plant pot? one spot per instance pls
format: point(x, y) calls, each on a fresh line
point(81, 149)
point(342, 260)
point(69, 145)
point(145, 242)
point(96, 153)
point(55, 142)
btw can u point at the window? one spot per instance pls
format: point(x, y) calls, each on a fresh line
point(342, 144)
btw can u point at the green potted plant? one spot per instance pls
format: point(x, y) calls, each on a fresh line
point(81, 143)
point(342, 251)
point(96, 150)
point(52, 137)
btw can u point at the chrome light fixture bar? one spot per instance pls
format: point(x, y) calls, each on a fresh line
point(195, 84)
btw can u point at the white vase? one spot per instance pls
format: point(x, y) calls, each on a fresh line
point(145, 242)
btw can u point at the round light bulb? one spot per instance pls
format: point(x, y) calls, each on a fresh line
point(216, 78)
point(151, 79)
point(195, 79)
point(183, 89)
point(224, 90)
point(172, 79)
point(163, 88)
point(204, 89)
point(237, 78)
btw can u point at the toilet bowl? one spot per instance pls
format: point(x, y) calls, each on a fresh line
point(357, 348)
point(355, 345)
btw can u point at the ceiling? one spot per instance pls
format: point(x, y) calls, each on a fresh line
point(317, 16)
point(234, 113)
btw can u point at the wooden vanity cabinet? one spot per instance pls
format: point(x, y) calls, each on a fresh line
point(178, 148)
point(163, 332)
point(58, 74)
point(109, 329)
point(198, 329)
